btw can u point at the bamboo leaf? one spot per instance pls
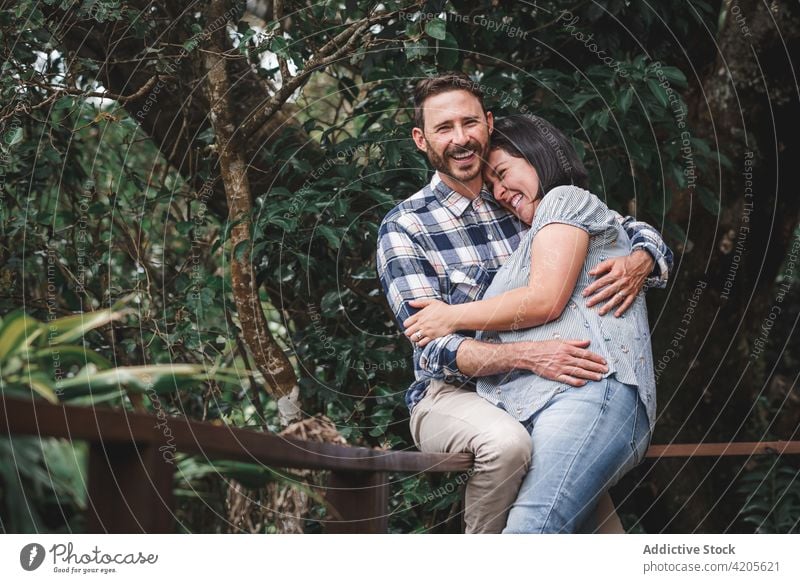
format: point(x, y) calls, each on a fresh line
point(71, 328)
point(44, 387)
point(160, 378)
point(19, 330)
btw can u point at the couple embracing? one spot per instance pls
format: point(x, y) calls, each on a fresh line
point(522, 295)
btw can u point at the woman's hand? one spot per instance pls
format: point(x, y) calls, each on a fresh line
point(623, 280)
point(434, 320)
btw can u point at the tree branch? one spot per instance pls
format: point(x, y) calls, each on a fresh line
point(269, 358)
point(59, 90)
point(340, 45)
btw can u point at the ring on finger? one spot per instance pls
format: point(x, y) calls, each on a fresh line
point(418, 335)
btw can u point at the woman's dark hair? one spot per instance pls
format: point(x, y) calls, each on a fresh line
point(544, 147)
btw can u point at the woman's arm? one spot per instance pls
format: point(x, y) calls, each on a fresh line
point(557, 256)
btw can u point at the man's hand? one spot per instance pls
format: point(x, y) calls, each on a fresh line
point(565, 361)
point(622, 280)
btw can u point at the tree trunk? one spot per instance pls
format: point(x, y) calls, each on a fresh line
point(724, 297)
point(268, 355)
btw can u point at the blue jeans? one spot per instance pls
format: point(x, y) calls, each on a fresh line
point(584, 440)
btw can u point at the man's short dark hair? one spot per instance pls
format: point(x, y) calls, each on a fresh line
point(544, 147)
point(442, 83)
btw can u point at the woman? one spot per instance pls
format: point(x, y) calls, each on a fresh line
point(584, 438)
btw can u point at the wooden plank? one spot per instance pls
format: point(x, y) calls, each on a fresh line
point(130, 489)
point(741, 448)
point(210, 440)
point(360, 502)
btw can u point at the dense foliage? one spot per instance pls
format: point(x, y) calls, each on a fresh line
point(107, 194)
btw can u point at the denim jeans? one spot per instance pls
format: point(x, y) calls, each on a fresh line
point(584, 440)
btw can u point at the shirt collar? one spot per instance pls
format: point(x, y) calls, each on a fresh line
point(453, 201)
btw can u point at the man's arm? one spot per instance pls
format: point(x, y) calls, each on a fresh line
point(622, 278)
point(564, 361)
point(406, 274)
point(644, 237)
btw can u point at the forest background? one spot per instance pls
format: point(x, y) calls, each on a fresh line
point(201, 183)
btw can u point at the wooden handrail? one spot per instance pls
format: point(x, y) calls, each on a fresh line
point(130, 485)
point(736, 448)
point(131, 482)
point(213, 441)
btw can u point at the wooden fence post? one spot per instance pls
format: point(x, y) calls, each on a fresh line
point(130, 489)
point(362, 501)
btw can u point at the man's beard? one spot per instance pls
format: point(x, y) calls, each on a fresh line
point(446, 165)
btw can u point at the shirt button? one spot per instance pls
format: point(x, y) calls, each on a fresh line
point(499, 392)
point(489, 237)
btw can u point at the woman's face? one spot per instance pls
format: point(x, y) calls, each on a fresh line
point(513, 182)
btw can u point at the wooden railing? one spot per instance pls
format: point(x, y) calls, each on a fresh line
point(130, 482)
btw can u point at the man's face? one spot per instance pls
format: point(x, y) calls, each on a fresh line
point(456, 134)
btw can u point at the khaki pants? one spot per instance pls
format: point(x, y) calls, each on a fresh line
point(450, 419)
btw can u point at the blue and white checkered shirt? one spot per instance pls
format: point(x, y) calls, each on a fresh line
point(440, 244)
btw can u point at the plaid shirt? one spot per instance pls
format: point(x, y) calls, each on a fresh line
point(440, 244)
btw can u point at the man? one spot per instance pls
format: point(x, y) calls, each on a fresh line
point(446, 242)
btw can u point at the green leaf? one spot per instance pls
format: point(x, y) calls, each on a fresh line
point(658, 92)
point(602, 119)
point(242, 249)
point(280, 47)
point(184, 227)
point(436, 28)
point(18, 331)
point(160, 378)
point(582, 99)
point(331, 236)
point(674, 75)
point(43, 386)
point(190, 44)
point(12, 138)
point(447, 52)
point(415, 50)
point(71, 328)
point(625, 99)
point(75, 354)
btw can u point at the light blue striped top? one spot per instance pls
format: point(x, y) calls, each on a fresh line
point(624, 341)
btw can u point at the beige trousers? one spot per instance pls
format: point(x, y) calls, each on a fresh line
point(450, 419)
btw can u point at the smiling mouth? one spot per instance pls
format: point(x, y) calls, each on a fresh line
point(516, 201)
point(464, 156)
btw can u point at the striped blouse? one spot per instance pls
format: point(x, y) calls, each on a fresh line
point(624, 342)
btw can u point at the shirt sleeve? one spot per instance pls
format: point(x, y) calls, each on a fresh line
point(643, 236)
point(406, 274)
point(578, 207)
point(574, 206)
